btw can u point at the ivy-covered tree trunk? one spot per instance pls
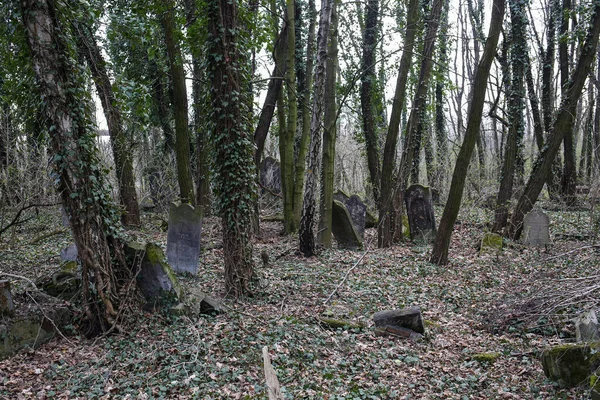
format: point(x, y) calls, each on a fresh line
point(562, 123)
point(439, 254)
point(180, 107)
point(232, 140)
point(387, 212)
point(122, 148)
point(329, 133)
point(307, 219)
point(66, 111)
point(367, 94)
point(516, 106)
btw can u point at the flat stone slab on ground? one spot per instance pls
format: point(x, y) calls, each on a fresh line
point(183, 238)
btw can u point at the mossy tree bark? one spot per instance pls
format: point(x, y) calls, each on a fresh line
point(122, 146)
point(562, 123)
point(106, 279)
point(387, 212)
point(180, 106)
point(439, 254)
point(329, 133)
point(228, 70)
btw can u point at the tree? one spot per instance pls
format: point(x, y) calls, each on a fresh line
point(439, 254)
point(180, 106)
point(563, 121)
point(81, 183)
point(120, 143)
point(232, 139)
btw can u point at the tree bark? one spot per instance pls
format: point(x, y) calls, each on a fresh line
point(233, 141)
point(439, 254)
point(562, 122)
point(180, 108)
point(122, 148)
point(93, 216)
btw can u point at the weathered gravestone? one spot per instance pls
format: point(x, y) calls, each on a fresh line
point(419, 208)
point(270, 175)
point(183, 237)
point(356, 208)
point(491, 243)
point(7, 307)
point(64, 217)
point(343, 229)
point(586, 327)
point(406, 322)
point(69, 253)
point(536, 228)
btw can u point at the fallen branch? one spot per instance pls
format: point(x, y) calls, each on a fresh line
point(15, 220)
point(19, 277)
point(346, 277)
point(593, 246)
point(272, 382)
point(50, 234)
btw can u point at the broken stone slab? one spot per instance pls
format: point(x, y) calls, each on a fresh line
point(155, 279)
point(570, 364)
point(586, 327)
point(64, 284)
point(397, 331)
point(69, 253)
point(343, 229)
point(491, 243)
point(7, 306)
point(409, 318)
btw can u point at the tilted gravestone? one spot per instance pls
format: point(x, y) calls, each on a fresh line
point(343, 229)
point(536, 228)
point(419, 208)
point(270, 175)
point(356, 208)
point(183, 237)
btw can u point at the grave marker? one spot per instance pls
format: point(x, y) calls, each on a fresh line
point(419, 208)
point(342, 228)
point(356, 208)
point(536, 228)
point(183, 238)
point(270, 175)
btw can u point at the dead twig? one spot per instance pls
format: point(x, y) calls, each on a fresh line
point(346, 276)
point(50, 234)
point(20, 277)
point(593, 246)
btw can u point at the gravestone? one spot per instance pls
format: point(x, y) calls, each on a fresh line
point(343, 229)
point(491, 243)
point(7, 307)
point(419, 208)
point(183, 237)
point(356, 208)
point(69, 253)
point(536, 228)
point(64, 217)
point(270, 175)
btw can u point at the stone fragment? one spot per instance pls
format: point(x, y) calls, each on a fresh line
point(586, 327)
point(183, 238)
point(536, 228)
point(69, 253)
point(419, 209)
point(409, 318)
point(343, 229)
point(64, 283)
point(491, 243)
point(570, 364)
point(7, 307)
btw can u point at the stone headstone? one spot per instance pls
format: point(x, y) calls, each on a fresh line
point(408, 318)
point(156, 278)
point(7, 307)
point(569, 364)
point(536, 228)
point(356, 208)
point(586, 327)
point(419, 208)
point(69, 253)
point(343, 229)
point(183, 238)
point(64, 217)
point(270, 174)
point(491, 243)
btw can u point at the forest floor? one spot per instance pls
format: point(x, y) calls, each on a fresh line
point(476, 304)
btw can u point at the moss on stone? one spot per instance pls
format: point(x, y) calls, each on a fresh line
point(491, 241)
point(486, 357)
point(339, 323)
point(155, 255)
point(568, 364)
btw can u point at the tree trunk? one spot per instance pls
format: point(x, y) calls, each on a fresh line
point(105, 276)
point(562, 122)
point(516, 106)
point(233, 142)
point(329, 133)
point(439, 254)
point(387, 215)
point(441, 134)
point(121, 145)
point(307, 238)
point(367, 94)
point(180, 108)
point(538, 129)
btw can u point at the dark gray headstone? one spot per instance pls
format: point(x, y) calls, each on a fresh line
point(64, 216)
point(419, 209)
point(270, 174)
point(356, 208)
point(7, 307)
point(69, 253)
point(342, 228)
point(183, 238)
point(409, 318)
point(536, 228)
